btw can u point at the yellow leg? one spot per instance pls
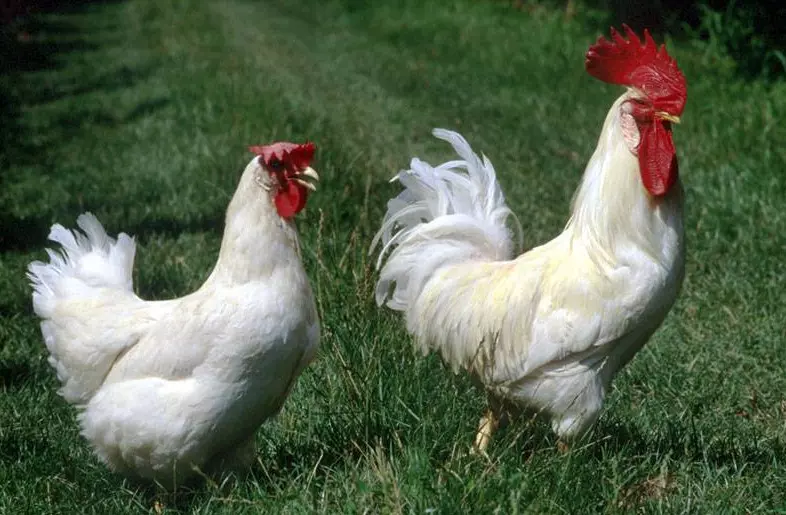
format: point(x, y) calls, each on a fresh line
point(488, 424)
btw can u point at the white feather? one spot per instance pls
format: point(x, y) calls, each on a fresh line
point(92, 273)
point(447, 214)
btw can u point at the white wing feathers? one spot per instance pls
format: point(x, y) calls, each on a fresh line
point(449, 214)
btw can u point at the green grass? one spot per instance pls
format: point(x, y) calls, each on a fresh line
point(141, 112)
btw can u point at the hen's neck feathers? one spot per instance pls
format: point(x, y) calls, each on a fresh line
point(612, 210)
point(256, 239)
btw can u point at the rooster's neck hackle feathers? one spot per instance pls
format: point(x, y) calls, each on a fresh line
point(611, 209)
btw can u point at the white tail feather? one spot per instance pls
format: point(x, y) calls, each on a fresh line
point(448, 214)
point(88, 259)
point(88, 263)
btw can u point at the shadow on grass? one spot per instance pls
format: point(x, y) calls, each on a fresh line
point(22, 234)
point(678, 443)
point(16, 445)
point(281, 467)
point(277, 467)
point(12, 10)
point(33, 38)
point(13, 374)
point(209, 222)
point(612, 439)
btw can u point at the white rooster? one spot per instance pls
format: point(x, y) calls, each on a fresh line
point(168, 387)
point(548, 330)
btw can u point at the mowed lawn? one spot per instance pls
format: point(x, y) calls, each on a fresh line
point(141, 112)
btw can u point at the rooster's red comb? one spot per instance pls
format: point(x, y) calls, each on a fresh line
point(643, 66)
point(293, 156)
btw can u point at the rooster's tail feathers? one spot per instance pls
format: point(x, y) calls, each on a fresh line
point(88, 259)
point(445, 215)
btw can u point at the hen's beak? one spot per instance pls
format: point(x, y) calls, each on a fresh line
point(668, 117)
point(311, 174)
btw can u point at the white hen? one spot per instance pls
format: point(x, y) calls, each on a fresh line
point(168, 387)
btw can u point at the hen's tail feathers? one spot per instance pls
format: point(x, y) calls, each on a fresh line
point(88, 264)
point(446, 215)
point(88, 259)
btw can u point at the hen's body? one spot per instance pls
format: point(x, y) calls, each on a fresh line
point(170, 385)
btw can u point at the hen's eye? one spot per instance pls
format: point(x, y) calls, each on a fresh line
point(275, 165)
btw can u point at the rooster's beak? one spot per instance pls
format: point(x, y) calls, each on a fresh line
point(311, 174)
point(668, 117)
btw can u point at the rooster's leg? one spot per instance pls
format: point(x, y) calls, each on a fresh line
point(488, 424)
point(498, 415)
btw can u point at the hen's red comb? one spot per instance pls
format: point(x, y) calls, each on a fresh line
point(630, 62)
point(293, 156)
